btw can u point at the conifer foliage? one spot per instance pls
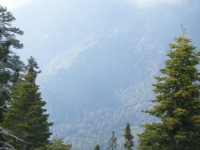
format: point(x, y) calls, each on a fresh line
point(7, 30)
point(128, 138)
point(10, 65)
point(177, 102)
point(56, 144)
point(97, 147)
point(112, 144)
point(59, 145)
point(26, 118)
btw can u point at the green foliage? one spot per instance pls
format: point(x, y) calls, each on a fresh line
point(7, 38)
point(97, 147)
point(25, 118)
point(7, 31)
point(30, 68)
point(128, 138)
point(10, 65)
point(112, 144)
point(56, 144)
point(177, 102)
point(59, 145)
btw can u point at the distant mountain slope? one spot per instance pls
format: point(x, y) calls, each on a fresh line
point(104, 80)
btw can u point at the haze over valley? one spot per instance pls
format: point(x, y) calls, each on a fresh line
point(98, 59)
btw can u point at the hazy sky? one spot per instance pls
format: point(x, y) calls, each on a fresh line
point(13, 3)
point(142, 3)
point(150, 3)
point(52, 26)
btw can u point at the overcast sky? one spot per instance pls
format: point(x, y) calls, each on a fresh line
point(52, 26)
point(13, 3)
point(142, 3)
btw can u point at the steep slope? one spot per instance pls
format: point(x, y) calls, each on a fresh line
point(104, 79)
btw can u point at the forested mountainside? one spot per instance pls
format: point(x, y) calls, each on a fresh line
point(101, 61)
point(98, 60)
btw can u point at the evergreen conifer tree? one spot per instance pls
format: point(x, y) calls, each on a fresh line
point(128, 138)
point(30, 68)
point(57, 144)
point(7, 31)
point(177, 102)
point(25, 118)
point(97, 147)
point(112, 144)
point(10, 65)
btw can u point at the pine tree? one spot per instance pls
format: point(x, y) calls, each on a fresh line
point(112, 144)
point(97, 147)
point(30, 68)
point(25, 117)
point(10, 64)
point(7, 31)
point(128, 138)
point(4, 77)
point(10, 68)
point(177, 102)
point(57, 144)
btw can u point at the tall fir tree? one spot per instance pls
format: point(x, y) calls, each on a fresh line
point(177, 102)
point(10, 64)
point(97, 147)
point(30, 68)
point(25, 117)
point(112, 143)
point(4, 77)
point(128, 138)
point(7, 31)
point(56, 144)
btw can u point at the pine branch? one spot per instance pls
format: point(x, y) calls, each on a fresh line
point(7, 144)
point(3, 131)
